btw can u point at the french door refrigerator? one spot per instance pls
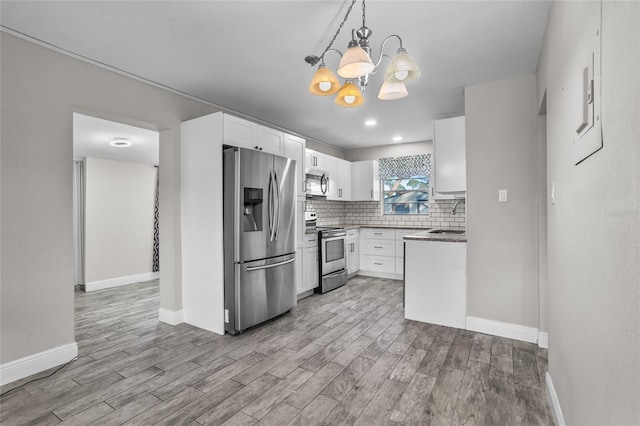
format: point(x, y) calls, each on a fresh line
point(259, 237)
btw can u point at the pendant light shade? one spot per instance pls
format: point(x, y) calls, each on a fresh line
point(391, 91)
point(324, 82)
point(355, 63)
point(349, 96)
point(401, 69)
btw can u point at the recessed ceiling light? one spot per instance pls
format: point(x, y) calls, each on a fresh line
point(370, 122)
point(120, 142)
point(397, 138)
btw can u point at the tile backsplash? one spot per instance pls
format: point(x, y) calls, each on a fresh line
point(367, 213)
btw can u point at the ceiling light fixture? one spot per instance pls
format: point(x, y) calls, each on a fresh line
point(397, 138)
point(356, 65)
point(120, 142)
point(370, 122)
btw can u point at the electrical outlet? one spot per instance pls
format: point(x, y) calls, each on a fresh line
point(226, 316)
point(502, 195)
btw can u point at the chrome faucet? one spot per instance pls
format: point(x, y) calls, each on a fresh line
point(455, 206)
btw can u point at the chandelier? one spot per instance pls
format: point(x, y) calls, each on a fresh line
point(356, 65)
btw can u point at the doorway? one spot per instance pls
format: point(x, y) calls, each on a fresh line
point(116, 202)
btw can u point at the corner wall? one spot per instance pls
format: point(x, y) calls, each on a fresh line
point(594, 225)
point(41, 89)
point(502, 247)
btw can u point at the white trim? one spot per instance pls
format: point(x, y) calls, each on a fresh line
point(543, 339)
point(503, 329)
point(120, 281)
point(170, 317)
point(384, 275)
point(32, 364)
point(306, 293)
point(554, 402)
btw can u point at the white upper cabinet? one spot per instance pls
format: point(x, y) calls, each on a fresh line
point(315, 162)
point(332, 172)
point(344, 180)
point(449, 158)
point(365, 181)
point(294, 149)
point(246, 134)
point(270, 140)
point(240, 132)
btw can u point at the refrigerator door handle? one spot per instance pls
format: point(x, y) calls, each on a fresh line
point(276, 218)
point(275, 265)
point(271, 207)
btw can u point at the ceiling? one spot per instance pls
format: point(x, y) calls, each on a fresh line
point(91, 137)
point(248, 56)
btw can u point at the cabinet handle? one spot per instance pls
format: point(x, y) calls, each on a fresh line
point(339, 192)
point(379, 264)
point(372, 194)
point(377, 247)
point(377, 233)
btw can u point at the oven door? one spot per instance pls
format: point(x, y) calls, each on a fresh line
point(333, 254)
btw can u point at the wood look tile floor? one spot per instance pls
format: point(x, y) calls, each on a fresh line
point(346, 357)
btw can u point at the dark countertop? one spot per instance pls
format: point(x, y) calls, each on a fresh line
point(426, 236)
point(381, 227)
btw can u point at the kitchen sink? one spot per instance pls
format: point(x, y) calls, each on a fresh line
point(446, 231)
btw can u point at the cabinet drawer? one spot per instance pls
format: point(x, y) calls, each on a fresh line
point(353, 234)
point(383, 264)
point(380, 234)
point(399, 266)
point(311, 240)
point(379, 247)
point(400, 249)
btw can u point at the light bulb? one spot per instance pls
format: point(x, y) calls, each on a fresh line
point(349, 99)
point(401, 75)
point(325, 86)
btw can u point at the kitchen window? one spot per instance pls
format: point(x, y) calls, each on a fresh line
point(406, 195)
point(405, 184)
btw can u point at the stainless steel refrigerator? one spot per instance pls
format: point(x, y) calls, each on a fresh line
point(259, 237)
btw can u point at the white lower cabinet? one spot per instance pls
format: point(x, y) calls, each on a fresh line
point(353, 251)
point(310, 268)
point(379, 264)
point(300, 269)
point(310, 264)
point(382, 251)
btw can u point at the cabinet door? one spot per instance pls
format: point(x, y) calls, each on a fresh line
point(366, 183)
point(299, 215)
point(315, 162)
point(344, 180)
point(294, 149)
point(300, 270)
point(310, 268)
point(270, 140)
point(353, 257)
point(240, 132)
point(449, 155)
point(334, 183)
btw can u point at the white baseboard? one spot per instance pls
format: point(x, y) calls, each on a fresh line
point(170, 317)
point(503, 329)
point(543, 339)
point(120, 281)
point(554, 402)
point(32, 364)
point(384, 275)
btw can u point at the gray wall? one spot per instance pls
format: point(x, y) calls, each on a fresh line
point(395, 150)
point(41, 89)
point(325, 149)
point(502, 247)
point(119, 216)
point(594, 226)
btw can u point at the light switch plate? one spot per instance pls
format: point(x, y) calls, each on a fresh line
point(588, 129)
point(502, 195)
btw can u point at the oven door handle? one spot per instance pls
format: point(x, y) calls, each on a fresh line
point(341, 271)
